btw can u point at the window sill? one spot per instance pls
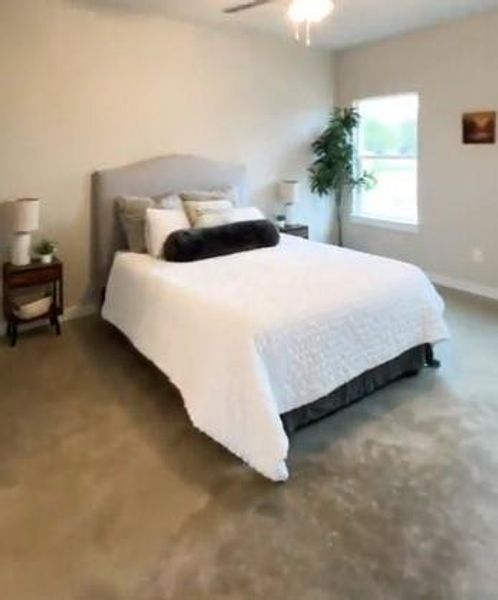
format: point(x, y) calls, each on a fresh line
point(383, 224)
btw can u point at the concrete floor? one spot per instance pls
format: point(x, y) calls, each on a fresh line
point(108, 493)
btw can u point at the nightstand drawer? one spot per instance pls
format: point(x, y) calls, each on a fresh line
point(34, 277)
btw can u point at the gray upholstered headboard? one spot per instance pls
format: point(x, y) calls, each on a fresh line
point(153, 177)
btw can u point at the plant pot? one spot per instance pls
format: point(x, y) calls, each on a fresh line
point(281, 221)
point(46, 258)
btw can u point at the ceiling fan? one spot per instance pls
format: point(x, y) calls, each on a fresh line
point(246, 6)
point(300, 12)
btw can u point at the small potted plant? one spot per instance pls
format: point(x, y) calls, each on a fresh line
point(281, 221)
point(46, 250)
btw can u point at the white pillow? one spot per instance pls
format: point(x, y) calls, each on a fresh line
point(245, 213)
point(159, 224)
point(223, 217)
point(169, 201)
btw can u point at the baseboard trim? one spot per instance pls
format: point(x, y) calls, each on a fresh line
point(79, 311)
point(464, 286)
point(72, 312)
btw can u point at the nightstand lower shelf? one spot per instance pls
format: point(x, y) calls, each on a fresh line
point(13, 323)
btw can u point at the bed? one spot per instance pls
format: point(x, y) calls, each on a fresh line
point(261, 343)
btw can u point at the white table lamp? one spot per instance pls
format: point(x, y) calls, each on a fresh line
point(26, 220)
point(288, 194)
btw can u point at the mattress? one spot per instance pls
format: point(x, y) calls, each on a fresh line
point(252, 336)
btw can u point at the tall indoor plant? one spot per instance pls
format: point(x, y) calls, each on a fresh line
point(334, 172)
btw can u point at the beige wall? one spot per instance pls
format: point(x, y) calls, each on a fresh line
point(83, 90)
point(454, 69)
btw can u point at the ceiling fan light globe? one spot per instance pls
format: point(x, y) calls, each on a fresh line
point(318, 10)
point(312, 11)
point(296, 12)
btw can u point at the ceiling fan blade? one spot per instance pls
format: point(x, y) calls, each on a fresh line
point(246, 6)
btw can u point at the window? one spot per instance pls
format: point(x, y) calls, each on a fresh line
point(387, 147)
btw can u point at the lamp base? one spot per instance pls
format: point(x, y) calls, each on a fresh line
point(289, 213)
point(20, 251)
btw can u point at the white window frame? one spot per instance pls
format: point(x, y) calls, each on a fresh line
point(372, 220)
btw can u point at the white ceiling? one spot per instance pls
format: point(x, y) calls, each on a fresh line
point(353, 22)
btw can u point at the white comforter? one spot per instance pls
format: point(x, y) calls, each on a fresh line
point(253, 335)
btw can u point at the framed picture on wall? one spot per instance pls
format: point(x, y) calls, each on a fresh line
point(479, 128)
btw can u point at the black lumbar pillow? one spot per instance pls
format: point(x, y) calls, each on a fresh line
point(187, 245)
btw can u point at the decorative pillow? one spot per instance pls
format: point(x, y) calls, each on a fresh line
point(188, 245)
point(197, 209)
point(159, 224)
point(223, 217)
point(197, 200)
point(228, 192)
point(131, 211)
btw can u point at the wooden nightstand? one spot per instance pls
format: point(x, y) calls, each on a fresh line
point(32, 275)
point(297, 230)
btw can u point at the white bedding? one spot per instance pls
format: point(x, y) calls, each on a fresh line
point(253, 335)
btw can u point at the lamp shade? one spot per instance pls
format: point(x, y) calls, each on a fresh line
point(288, 191)
point(26, 215)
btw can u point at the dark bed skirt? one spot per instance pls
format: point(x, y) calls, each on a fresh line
point(406, 365)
